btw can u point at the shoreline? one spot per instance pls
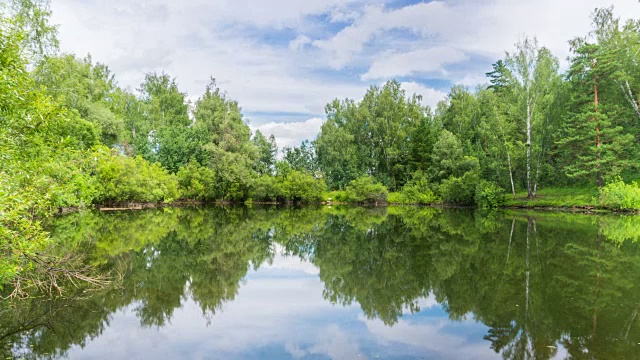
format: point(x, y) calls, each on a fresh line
point(132, 206)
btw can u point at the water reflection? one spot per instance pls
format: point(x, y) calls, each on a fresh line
point(341, 283)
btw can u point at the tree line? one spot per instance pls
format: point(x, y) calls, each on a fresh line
point(532, 126)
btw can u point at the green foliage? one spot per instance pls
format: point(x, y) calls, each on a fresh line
point(303, 187)
point(233, 173)
point(416, 191)
point(489, 195)
point(447, 156)
point(371, 137)
point(620, 196)
point(365, 189)
point(267, 150)
point(30, 18)
point(565, 197)
point(267, 188)
point(85, 88)
point(459, 190)
point(28, 118)
point(197, 182)
point(301, 158)
point(122, 179)
point(336, 196)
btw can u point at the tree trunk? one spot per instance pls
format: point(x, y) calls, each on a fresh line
point(598, 142)
point(628, 94)
point(513, 187)
point(529, 191)
point(504, 140)
point(535, 184)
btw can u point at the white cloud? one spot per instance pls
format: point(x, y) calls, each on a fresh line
point(292, 133)
point(430, 96)
point(286, 262)
point(347, 43)
point(299, 42)
point(429, 337)
point(414, 62)
point(199, 39)
point(335, 343)
point(278, 57)
point(485, 28)
point(472, 80)
point(275, 310)
point(279, 310)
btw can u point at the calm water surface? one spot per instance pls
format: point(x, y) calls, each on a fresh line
point(341, 283)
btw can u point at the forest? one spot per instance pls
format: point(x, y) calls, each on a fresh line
point(72, 137)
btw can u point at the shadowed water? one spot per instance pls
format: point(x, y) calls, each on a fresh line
point(340, 283)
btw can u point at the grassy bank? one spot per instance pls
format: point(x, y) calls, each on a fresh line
point(586, 198)
point(556, 198)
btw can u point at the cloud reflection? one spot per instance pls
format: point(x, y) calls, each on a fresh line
point(279, 312)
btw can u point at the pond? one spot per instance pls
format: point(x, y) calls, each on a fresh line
point(340, 283)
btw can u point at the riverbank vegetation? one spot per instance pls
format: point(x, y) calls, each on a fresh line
point(70, 136)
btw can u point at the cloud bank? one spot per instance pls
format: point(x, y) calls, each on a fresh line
point(283, 60)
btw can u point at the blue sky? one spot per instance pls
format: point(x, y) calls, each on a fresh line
point(283, 60)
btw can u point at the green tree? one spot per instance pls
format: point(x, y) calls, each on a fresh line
point(594, 127)
point(86, 88)
point(532, 72)
point(267, 150)
point(301, 158)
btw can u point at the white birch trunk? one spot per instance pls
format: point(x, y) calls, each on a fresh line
point(529, 192)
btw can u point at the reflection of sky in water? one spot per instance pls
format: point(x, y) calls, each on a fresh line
point(279, 313)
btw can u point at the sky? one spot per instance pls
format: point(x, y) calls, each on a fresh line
point(284, 60)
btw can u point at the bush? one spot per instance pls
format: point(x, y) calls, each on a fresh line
point(266, 188)
point(197, 182)
point(123, 179)
point(416, 191)
point(336, 196)
point(459, 190)
point(366, 190)
point(65, 180)
point(620, 196)
point(489, 195)
point(302, 187)
point(396, 198)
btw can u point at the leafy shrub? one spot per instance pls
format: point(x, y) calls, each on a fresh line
point(620, 196)
point(489, 195)
point(197, 182)
point(124, 179)
point(303, 187)
point(336, 195)
point(266, 188)
point(416, 191)
point(459, 190)
point(233, 174)
point(366, 190)
point(395, 198)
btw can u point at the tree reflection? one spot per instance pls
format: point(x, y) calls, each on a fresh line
point(538, 281)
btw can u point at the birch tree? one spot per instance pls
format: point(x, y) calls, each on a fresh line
point(532, 71)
